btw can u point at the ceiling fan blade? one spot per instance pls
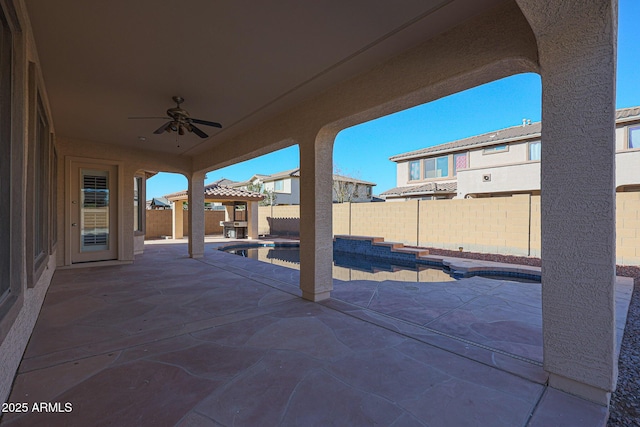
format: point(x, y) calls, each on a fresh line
point(207, 123)
point(162, 128)
point(165, 118)
point(198, 132)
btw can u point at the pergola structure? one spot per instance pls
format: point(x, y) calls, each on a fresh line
point(230, 198)
point(275, 75)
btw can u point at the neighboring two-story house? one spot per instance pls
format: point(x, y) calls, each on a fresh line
point(285, 186)
point(501, 163)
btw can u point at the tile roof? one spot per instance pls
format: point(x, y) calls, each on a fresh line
point(159, 202)
point(291, 172)
point(218, 191)
point(489, 138)
point(295, 173)
point(627, 113)
point(354, 180)
point(496, 137)
point(426, 188)
point(224, 181)
point(237, 184)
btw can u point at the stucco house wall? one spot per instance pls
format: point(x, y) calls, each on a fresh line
point(485, 157)
point(402, 174)
point(290, 193)
point(501, 179)
point(510, 171)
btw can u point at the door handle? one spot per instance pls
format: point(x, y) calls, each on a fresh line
point(74, 224)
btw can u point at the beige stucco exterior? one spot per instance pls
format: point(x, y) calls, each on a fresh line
point(285, 186)
point(512, 171)
point(572, 44)
point(502, 179)
point(627, 168)
point(290, 192)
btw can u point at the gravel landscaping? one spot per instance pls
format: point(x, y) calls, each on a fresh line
point(625, 401)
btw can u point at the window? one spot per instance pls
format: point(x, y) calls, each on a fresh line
point(634, 137)
point(278, 185)
point(137, 206)
point(6, 53)
point(534, 150)
point(414, 170)
point(436, 168)
point(459, 162)
point(495, 149)
point(54, 195)
point(40, 187)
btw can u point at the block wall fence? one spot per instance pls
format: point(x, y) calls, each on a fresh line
point(159, 223)
point(502, 225)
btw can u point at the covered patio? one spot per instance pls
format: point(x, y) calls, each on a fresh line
point(77, 75)
point(226, 340)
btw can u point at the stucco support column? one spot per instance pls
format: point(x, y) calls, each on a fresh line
point(577, 54)
point(252, 218)
point(177, 224)
point(316, 239)
point(196, 215)
point(229, 211)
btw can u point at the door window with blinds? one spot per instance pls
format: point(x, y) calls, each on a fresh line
point(94, 211)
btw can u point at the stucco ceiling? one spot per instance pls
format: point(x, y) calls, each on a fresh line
point(235, 62)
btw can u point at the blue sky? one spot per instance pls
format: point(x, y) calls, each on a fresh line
point(493, 106)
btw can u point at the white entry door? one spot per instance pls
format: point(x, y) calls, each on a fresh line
point(94, 219)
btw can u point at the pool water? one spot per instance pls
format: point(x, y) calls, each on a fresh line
point(348, 267)
point(359, 267)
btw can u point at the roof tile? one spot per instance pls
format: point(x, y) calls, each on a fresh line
point(496, 137)
point(215, 190)
point(426, 188)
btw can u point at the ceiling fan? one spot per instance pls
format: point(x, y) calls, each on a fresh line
point(180, 121)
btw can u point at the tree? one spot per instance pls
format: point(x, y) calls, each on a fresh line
point(344, 188)
point(269, 196)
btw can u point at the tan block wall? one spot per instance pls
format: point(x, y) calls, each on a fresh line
point(396, 222)
point(159, 223)
point(535, 233)
point(496, 225)
point(341, 218)
point(280, 211)
point(292, 211)
point(264, 212)
point(628, 228)
point(503, 225)
point(212, 222)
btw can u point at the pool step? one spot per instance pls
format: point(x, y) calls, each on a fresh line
point(376, 246)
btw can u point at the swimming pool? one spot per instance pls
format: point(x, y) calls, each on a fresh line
point(348, 266)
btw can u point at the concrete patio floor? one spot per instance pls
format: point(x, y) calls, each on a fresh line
point(225, 340)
